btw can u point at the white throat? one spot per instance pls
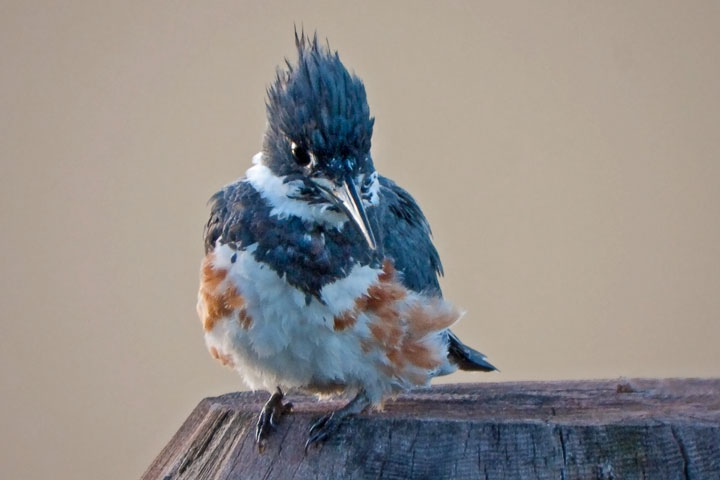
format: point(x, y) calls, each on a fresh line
point(277, 193)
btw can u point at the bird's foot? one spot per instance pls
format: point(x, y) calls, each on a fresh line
point(322, 429)
point(269, 416)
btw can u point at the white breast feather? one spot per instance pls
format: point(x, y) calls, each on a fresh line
point(290, 343)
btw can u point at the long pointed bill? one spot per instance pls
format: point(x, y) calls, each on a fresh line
point(348, 200)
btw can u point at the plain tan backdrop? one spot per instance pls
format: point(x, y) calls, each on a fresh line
point(567, 155)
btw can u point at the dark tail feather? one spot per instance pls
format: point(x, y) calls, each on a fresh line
point(465, 357)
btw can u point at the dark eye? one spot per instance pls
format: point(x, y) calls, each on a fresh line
point(301, 156)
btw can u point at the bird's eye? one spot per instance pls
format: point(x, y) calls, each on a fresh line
point(301, 156)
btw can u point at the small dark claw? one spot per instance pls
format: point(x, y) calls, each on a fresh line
point(260, 427)
point(313, 439)
point(319, 423)
point(325, 427)
point(269, 417)
point(279, 412)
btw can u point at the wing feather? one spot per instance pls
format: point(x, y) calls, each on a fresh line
point(407, 239)
point(226, 210)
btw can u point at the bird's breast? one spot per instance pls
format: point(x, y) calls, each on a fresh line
point(237, 283)
point(363, 329)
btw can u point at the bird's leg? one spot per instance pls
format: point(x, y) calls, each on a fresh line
point(323, 428)
point(269, 416)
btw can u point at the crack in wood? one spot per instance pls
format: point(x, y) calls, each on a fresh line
point(564, 453)
point(197, 452)
point(683, 452)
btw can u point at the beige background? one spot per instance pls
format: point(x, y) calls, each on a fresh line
point(567, 155)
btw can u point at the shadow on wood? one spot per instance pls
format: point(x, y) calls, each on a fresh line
point(556, 430)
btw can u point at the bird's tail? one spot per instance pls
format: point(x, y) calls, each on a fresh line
point(465, 357)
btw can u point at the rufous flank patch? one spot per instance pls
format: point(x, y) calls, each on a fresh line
point(344, 321)
point(225, 359)
point(402, 325)
point(218, 302)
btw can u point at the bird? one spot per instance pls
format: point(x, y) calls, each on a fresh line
point(320, 275)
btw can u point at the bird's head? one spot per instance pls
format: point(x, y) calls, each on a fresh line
point(318, 134)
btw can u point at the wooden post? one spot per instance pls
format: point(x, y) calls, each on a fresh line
point(655, 429)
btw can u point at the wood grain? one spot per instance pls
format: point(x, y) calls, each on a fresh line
point(618, 429)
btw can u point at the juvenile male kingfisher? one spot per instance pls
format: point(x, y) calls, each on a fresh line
point(320, 274)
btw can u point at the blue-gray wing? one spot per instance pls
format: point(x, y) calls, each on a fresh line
point(229, 216)
point(406, 239)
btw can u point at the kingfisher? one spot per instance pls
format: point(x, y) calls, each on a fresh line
point(319, 274)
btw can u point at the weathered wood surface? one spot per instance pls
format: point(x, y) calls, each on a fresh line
point(622, 429)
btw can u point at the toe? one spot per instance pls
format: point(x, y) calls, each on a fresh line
point(269, 418)
point(323, 429)
point(320, 423)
